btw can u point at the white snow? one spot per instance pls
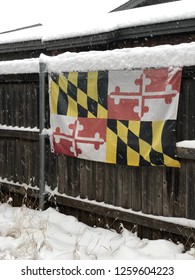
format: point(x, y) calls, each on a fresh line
point(186, 144)
point(30, 65)
point(21, 128)
point(122, 19)
point(17, 184)
point(34, 33)
point(74, 18)
point(126, 58)
point(20, 13)
point(118, 59)
point(30, 234)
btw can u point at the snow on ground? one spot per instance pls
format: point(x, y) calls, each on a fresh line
point(28, 234)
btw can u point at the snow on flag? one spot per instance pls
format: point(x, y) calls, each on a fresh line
point(120, 117)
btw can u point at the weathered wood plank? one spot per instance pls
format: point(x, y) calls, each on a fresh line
point(190, 189)
point(18, 168)
point(1, 158)
point(152, 190)
point(135, 218)
point(91, 175)
point(5, 158)
point(53, 175)
point(12, 108)
point(21, 134)
point(169, 180)
point(19, 78)
point(99, 181)
point(126, 187)
point(146, 203)
point(8, 107)
point(25, 88)
point(9, 158)
point(34, 158)
point(62, 173)
point(17, 108)
point(83, 178)
point(34, 116)
point(190, 88)
point(186, 112)
point(1, 104)
point(28, 163)
point(180, 192)
point(73, 176)
point(118, 201)
point(136, 178)
point(187, 153)
point(156, 185)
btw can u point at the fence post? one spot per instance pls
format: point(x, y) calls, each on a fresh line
point(42, 67)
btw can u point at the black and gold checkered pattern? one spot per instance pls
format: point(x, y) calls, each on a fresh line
point(134, 143)
point(80, 94)
point(138, 143)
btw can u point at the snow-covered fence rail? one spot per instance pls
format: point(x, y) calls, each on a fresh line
point(158, 191)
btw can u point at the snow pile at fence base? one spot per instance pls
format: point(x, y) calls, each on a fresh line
point(30, 234)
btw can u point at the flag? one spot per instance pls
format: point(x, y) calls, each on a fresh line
point(120, 117)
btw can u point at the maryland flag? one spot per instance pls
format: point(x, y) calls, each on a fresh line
point(120, 117)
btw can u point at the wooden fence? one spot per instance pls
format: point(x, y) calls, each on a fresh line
point(96, 193)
